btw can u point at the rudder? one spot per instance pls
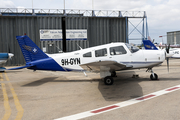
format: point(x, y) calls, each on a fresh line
point(148, 45)
point(30, 50)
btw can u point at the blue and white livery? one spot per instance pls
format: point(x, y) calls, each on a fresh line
point(148, 45)
point(105, 59)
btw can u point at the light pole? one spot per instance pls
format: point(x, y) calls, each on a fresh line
point(32, 4)
point(64, 4)
point(92, 4)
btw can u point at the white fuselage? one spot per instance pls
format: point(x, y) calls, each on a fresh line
point(4, 57)
point(175, 52)
point(122, 55)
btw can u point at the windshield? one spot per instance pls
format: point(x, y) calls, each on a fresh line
point(133, 49)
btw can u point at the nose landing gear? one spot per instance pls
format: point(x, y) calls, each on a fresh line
point(153, 75)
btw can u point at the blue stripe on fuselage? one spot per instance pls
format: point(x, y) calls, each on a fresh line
point(45, 64)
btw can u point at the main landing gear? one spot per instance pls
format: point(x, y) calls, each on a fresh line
point(113, 74)
point(109, 79)
point(153, 75)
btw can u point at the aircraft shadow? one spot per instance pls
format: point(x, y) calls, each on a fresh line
point(167, 79)
point(53, 79)
point(124, 88)
point(13, 71)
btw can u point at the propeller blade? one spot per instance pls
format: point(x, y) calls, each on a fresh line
point(167, 59)
point(168, 48)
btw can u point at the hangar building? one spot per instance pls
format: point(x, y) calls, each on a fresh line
point(173, 37)
point(102, 27)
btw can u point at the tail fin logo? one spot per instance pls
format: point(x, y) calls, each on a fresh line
point(148, 46)
point(30, 49)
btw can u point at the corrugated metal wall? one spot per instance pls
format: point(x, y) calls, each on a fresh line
point(170, 38)
point(173, 37)
point(100, 30)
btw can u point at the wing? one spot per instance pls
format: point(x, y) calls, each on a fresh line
point(105, 65)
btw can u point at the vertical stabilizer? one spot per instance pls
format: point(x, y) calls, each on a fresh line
point(148, 45)
point(30, 50)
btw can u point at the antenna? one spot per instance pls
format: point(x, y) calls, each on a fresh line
point(32, 4)
point(92, 4)
point(78, 46)
point(60, 51)
point(64, 4)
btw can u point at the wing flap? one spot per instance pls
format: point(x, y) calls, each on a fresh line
point(105, 65)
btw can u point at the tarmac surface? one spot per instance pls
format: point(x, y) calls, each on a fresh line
point(47, 95)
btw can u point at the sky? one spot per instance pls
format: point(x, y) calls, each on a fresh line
point(162, 15)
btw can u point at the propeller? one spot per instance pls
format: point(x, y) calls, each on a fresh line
point(167, 58)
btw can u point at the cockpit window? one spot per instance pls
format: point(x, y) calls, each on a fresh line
point(87, 54)
point(119, 50)
point(133, 49)
point(101, 52)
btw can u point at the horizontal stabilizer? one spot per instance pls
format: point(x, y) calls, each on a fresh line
point(16, 68)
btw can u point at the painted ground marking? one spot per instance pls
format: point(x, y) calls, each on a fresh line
point(119, 105)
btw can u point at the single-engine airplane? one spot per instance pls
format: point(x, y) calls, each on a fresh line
point(3, 59)
point(105, 59)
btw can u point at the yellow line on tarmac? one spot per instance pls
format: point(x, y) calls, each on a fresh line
point(6, 101)
point(16, 101)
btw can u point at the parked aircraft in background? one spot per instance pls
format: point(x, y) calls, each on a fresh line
point(172, 52)
point(3, 59)
point(175, 51)
point(105, 59)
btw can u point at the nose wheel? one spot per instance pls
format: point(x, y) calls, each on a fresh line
point(153, 75)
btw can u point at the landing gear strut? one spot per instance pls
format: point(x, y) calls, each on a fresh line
point(113, 74)
point(153, 75)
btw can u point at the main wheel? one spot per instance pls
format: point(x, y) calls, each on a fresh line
point(113, 74)
point(108, 80)
point(155, 76)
